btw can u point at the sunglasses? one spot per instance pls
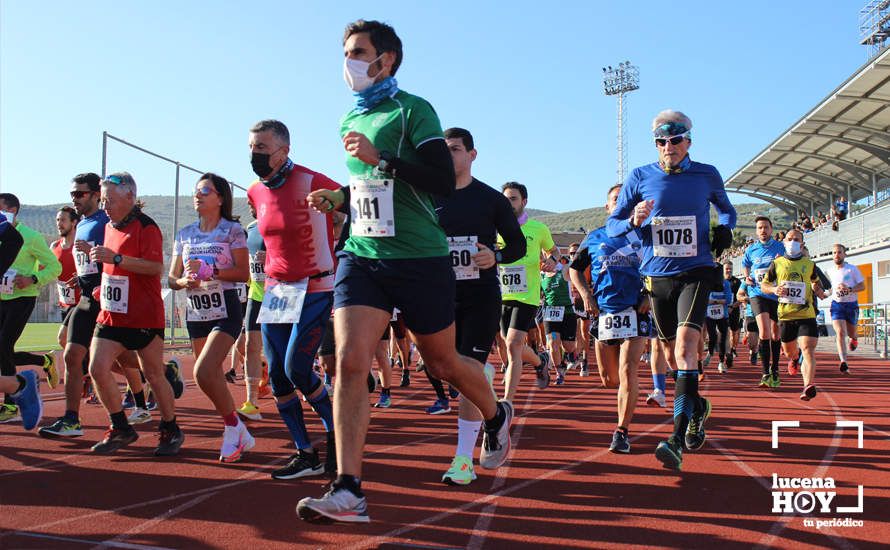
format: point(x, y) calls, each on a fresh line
point(204, 191)
point(80, 194)
point(115, 180)
point(675, 140)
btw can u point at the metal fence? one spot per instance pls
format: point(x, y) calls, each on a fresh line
point(873, 328)
point(866, 228)
point(174, 309)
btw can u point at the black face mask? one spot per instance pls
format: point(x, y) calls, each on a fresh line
point(260, 164)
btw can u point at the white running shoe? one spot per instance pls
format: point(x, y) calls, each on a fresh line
point(721, 367)
point(336, 505)
point(656, 398)
point(139, 416)
point(236, 441)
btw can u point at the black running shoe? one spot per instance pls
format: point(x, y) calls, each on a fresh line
point(844, 368)
point(170, 442)
point(406, 379)
point(301, 464)
point(372, 383)
point(114, 440)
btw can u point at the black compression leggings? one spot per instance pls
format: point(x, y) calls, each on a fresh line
point(714, 327)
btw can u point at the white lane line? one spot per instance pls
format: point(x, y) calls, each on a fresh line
point(148, 524)
point(378, 540)
point(480, 530)
point(87, 541)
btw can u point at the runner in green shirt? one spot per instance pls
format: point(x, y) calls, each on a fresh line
point(396, 256)
point(521, 294)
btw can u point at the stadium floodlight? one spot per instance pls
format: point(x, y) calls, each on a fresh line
point(621, 81)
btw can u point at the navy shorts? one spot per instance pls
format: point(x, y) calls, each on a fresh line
point(845, 311)
point(422, 288)
point(231, 324)
point(253, 311)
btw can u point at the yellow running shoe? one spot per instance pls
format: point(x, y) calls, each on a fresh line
point(249, 411)
point(49, 367)
point(461, 471)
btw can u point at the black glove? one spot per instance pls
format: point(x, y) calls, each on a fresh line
point(721, 239)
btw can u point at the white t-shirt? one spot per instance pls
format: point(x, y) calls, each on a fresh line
point(849, 275)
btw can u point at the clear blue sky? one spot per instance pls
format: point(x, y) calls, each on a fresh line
point(188, 78)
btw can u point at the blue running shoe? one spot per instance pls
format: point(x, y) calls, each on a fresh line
point(441, 406)
point(28, 400)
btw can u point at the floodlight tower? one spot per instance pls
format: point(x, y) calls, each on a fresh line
point(874, 26)
point(621, 81)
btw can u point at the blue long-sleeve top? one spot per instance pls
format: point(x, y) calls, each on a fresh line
point(691, 192)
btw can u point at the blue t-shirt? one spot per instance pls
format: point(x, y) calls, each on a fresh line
point(725, 297)
point(673, 243)
point(92, 230)
point(614, 268)
point(214, 247)
point(758, 257)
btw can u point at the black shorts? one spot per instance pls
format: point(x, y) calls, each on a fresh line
point(790, 330)
point(518, 316)
point(327, 343)
point(735, 319)
point(477, 313)
point(133, 339)
point(253, 311)
point(759, 305)
point(82, 321)
point(680, 300)
point(230, 324)
point(644, 329)
point(567, 328)
point(422, 288)
point(751, 325)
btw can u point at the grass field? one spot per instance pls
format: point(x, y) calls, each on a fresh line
point(43, 337)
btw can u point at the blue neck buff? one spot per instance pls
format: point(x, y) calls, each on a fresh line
point(371, 96)
point(280, 176)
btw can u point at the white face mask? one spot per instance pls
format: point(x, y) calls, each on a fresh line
point(792, 248)
point(355, 73)
point(9, 215)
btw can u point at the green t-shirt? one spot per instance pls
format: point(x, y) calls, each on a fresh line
point(537, 238)
point(399, 125)
point(556, 289)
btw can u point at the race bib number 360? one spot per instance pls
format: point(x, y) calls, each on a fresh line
point(462, 250)
point(371, 207)
point(115, 293)
point(674, 236)
point(618, 325)
point(283, 302)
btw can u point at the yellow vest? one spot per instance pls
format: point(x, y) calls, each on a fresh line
point(800, 273)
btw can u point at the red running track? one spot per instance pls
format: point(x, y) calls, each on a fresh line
point(562, 488)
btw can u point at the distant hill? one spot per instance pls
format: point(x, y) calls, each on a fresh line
point(160, 208)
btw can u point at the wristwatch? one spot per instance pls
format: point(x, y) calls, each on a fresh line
point(385, 162)
point(117, 259)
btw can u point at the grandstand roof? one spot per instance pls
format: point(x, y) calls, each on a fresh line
point(841, 147)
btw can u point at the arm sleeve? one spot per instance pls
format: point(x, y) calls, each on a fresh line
point(435, 172)
point(618, 223)
point(582, 260)
point(10, 243)
point(344, 207)
point(820, 276)
point(508, 228)
point(726, 214)
point(51, 268)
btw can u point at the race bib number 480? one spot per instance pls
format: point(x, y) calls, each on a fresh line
point(674, 236)
point(513, 279)
point(115, 293)
point(283, 302)
point(371, 206)
point(618, 325)
point(462, 250)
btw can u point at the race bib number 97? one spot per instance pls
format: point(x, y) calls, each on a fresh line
point(674, 236)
